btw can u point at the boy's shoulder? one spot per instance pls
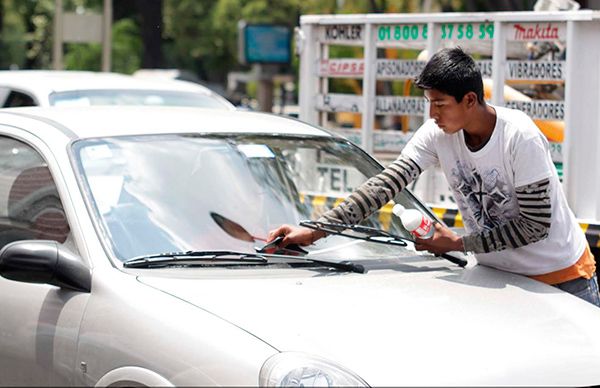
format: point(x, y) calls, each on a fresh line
point(516, 122)
point(512, 116)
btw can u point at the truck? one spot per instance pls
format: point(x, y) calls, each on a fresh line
point(356, 75)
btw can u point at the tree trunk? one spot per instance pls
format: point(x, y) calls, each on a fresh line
point(377, 8)
point(151, 28)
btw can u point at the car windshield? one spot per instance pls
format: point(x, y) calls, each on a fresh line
point(135, 97)
point(154, 194)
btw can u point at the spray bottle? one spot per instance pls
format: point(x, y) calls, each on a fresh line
point(418, 224)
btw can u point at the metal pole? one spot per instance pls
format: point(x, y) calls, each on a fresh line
point(369, 92)
point(57, 49)
point(498, 63)
point(309, 82)
point(581, 161)
point(106, 35)
point(264, 92)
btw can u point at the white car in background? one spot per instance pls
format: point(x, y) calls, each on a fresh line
point(84, 88)
point(132, 254)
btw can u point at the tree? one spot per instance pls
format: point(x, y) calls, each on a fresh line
point(188, 35)
point(126, 50)
point(36, 18)
point(151, 28)
point(202, 35)
point(13, 48)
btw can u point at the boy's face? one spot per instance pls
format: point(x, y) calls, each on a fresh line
point(449, 115)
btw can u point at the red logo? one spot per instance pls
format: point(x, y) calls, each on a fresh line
point(530, 32)
point(424, 228)
point(342, 68)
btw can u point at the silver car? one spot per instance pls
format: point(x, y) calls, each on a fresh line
point(20, 88)
point(133, 253)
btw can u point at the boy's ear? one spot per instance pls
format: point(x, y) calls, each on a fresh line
point(471, 99)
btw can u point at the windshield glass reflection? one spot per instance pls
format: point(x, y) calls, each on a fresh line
point(155, 194)
point(135, 97)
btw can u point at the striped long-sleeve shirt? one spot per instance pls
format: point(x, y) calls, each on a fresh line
point(531, 225)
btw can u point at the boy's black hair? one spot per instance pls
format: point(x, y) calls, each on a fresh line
point(453, 72)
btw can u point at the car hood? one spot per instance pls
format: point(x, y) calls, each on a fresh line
point(414, 326)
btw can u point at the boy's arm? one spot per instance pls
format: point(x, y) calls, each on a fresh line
point(532, 224)
point(374, 193)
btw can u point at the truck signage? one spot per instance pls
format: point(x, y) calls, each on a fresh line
point(535, 70)
point(389, 69)
point(556, 152)
point(540, 109)
point(342, 68)
point(546, 31)
point(531, 61)
point(446, 31)
point(351, 34)
point(385, 68)
point(399, 33)
point(400, 105)
point(485, 66)
point(386, 141)
point(399, 68)
point(384, 105)
point(335, 102)
point(465, 31)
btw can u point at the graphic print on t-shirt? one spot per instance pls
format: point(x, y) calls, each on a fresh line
point(483, 196)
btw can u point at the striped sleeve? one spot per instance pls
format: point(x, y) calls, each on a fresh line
point(374, 193)
point(531, 225)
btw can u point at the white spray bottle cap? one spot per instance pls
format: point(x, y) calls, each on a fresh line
point(398, 209)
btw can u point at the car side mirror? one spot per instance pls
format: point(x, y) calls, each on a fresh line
point(44, 262)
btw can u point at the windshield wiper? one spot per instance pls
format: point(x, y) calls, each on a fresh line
point(234, 257)
point(174, 258)
point(370, 234)
point(366, 233)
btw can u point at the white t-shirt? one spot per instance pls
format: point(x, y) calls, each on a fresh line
point(483, 183)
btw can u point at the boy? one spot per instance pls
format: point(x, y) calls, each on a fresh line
point(501, 174)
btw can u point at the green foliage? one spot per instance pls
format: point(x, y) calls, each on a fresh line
point(318, 6)
point(251, 89)
point(27, 37)
point(13, 47)
point(198, 35)
point(126, 50)
point(207, 42)
point(201, 35)
point(36, 21)
point(127, 46)
point(82, 56)
point(189, 34)
point(358, 6)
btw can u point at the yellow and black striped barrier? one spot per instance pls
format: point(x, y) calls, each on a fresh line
point(319, 204)
point(592, 233)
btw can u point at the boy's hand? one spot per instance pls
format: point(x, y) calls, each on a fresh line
point(443, 240)
point(295, 235)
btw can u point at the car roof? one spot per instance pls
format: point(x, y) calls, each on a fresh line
point(100, 121)
point(44, 82)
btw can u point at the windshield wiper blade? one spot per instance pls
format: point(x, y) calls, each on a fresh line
point(345, 265)
point(170, 258)
point(368, 233)
point(371, 234)
point(174, 258)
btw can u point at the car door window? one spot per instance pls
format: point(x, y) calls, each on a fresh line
point(4, 92)
point(30, 206)
point(16, 99)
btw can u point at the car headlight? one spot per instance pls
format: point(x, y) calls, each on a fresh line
point(302, 370)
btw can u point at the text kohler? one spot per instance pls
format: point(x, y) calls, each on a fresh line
point(343, 32)
point(537, 32)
